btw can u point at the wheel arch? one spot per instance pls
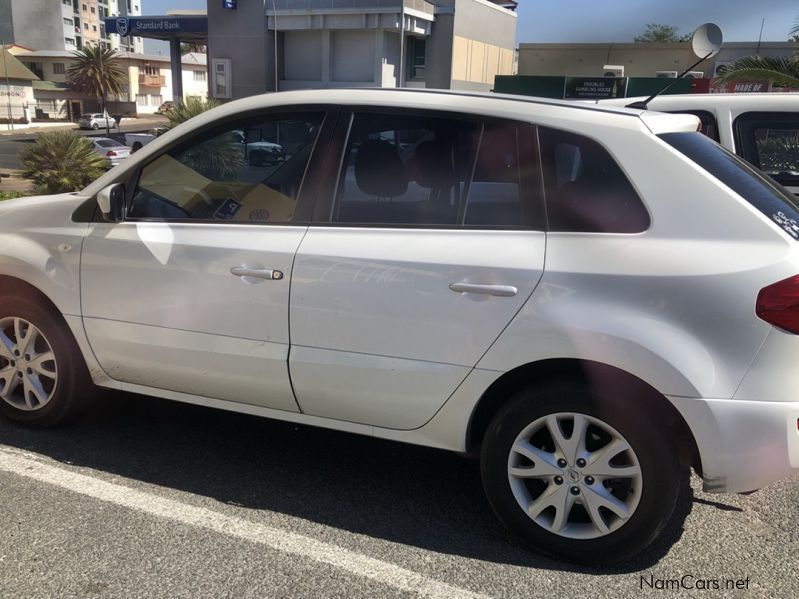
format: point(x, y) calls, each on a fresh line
point(597, 374)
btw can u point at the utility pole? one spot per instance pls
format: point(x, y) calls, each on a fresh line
point(8, 87)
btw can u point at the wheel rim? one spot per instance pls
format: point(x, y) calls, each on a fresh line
point(575, 475)
point(28, 368)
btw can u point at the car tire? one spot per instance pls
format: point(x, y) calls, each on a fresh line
point(48, 391)
point(95, 126)
point(580, 526)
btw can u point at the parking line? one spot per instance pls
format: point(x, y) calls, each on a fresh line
point(28, 466)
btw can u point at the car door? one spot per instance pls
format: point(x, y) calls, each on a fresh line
point(190, 293)
point(429, 242)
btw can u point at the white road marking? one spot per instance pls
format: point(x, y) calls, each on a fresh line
point(28, 466)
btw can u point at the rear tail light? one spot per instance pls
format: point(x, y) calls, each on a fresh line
point(778, 304)
point(110, 153)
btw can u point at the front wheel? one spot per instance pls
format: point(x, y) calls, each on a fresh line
point(95, 126)
point(42, 377)
point(578, 476)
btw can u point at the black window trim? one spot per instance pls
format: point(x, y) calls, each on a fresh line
point(308, 191)
point(531, 182)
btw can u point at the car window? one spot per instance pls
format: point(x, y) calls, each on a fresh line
point(402, 169)
point(106, 143)
point(585, 188)
point(770, 141)
point(250, 172)
point(495, 192)
point(770, 199)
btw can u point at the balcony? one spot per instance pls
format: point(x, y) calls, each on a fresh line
point(152, 80)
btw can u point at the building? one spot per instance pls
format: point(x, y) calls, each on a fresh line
point(636, 59)
point(65, 24)
point(294, 44)
point(16, 89)
point(149, 83)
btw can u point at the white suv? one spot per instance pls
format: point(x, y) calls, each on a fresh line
point(590, 299)
point(761, 128)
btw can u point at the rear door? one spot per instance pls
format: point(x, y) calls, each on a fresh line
point(429, 240)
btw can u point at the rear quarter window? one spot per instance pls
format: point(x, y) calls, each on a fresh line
point(760, 191)
point(770, 141)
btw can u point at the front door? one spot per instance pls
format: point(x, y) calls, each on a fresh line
point(190, 293)
point(434, 241)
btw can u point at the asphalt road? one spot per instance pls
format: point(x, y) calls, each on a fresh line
point(10, 145)
point(147, 498)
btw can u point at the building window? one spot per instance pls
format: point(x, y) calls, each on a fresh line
point(85, 8)
point(68, 22)
point(155, 100)
point(151, 70)
point(92, 9)
point(141, 99)
point(200, 76)
point(94, 27)
point(416, 50)
point(102, 31)
point(86, 26)
point(58, 68)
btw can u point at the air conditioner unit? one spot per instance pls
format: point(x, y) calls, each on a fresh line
point(666, 74)
point(613, 70)
point(695, 75)
point(221, 78)
point(718, 65)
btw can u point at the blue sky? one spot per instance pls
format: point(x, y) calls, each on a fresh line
point(618, 20)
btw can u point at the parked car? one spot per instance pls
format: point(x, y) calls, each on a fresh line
point(96, 120)
point(761, 128)
point(590, 299)
point(138, 140)
point(110, 149)
point(165, 107)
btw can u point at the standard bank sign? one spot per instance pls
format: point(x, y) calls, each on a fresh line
point(156, 26)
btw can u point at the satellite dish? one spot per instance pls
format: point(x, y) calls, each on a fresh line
point(706, 40)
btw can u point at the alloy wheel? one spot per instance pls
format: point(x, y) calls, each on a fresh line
point(28, 368)
point(574, 475)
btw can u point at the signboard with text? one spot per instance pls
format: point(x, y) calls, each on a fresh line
point(157, 27)
point(594, 88)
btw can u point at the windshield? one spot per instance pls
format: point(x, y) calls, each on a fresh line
point(764, 194)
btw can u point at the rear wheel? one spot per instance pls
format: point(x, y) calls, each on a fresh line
point(42, 376)
point(95, 126)
point(578, 476)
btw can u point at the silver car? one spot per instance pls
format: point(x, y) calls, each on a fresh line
point(110, 149)
point(96, 120)
point(590, 300)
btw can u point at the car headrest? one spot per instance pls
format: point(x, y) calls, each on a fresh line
point(379, 170)
point(434, 166)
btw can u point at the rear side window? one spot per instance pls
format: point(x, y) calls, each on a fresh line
point(770, 199)
point(770, 141)
point(585, 188)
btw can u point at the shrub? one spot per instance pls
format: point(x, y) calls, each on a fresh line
point(61, 161)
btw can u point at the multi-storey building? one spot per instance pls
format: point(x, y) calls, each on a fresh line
point(65, 24)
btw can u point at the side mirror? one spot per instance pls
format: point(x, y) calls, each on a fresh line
point(112, 203)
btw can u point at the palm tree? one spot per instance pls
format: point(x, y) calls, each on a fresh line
point(97, 71)
point(781, 71)
point(61, 161)
point(187, 109)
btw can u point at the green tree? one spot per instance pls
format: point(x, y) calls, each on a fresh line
point(187, 109)
point(794, 33)
point(61, 161)
point(97, 71)
point(659, 33)
point(781, 71)
point(186, 47)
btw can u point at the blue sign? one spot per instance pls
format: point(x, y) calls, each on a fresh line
point(231, 4)
point(158, 27)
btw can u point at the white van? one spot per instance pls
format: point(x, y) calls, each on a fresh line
point(761, 128)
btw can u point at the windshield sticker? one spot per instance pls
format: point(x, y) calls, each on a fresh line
point(790, 225)
point(227, 210)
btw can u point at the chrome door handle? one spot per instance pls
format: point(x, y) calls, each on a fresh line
point(498, 290)
point(258, 273)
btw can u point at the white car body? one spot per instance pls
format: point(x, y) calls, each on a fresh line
point(110, 149)
point(373, 340)
point(724, 113)
point(96, 120)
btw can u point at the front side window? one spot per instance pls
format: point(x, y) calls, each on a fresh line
point(586, 190)
point(248, 172)
point(433, 171)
